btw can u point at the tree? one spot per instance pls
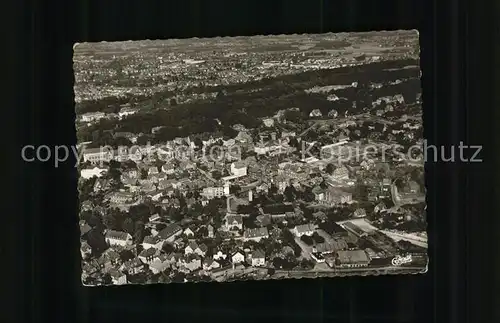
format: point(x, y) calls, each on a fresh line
point(293, 116)
point(107, 280)
point(235, 189)
point(139, 232)
point(307, 240)
point(289, 193)
point(271, 271)
point(317, 238)
point(160, 226)
point(307, 264)
point(128, 226)
point(167, 248)
point(216, 175)
point(86, 215)
point(330, 168)
point(288, 237)
point(308, 213)
point(139, 212)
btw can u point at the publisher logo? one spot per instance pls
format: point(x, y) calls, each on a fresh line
point(398, 260)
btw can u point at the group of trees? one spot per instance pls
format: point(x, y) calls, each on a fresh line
point(243, 105)
point(311, 240)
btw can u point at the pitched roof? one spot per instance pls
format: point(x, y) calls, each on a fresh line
point(148, 252)
point(112, 255)
point(169, 231)
point(352, 256)
point(117, 235)
point(239, 164)
point(256, 232)
point(203, 247)
point(234, 218)
point(304, 228)
point(151, 240)
point(258, 254)
point(115, 273)
point(331, 246)
point(193, 245)
point(84, 228)
point(237, 252)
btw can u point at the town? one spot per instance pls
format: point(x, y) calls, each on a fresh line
point(299, 174)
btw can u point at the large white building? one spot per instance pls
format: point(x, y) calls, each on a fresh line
point(92, 116)
point(239, 169)
point(118, 238)
point(213, 192)
point(97, 155)
point(89, 173)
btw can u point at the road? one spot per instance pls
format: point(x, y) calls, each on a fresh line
point(208, 176)
point(306, 250)
point(394, 195)
point(416, 240)
point(348, 271)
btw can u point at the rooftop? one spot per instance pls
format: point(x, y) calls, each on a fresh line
point(352, 256)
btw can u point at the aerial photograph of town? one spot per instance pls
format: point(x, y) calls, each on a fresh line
point(250, 158)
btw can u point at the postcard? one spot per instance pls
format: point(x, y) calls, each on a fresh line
point(250, 158)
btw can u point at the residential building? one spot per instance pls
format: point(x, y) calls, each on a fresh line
point(191, 264)
point(194, 248)
point(121, 197)
point(147, 256)
point(159, 264)
point(117, 277)
point(269, 122)
point(133, 267)
point(341, 173)
point(210, 264)
point(92, 116)
point(89, 173)
point(127, 112)
point(258, 258)
point(152, 242)
point(359, 213)
point(256, 234)
point(210, 231)
point(304, 229)
point(315, 113)
point(97, 155)
point(239, 169)
point(168, 168)
point(237, 258)
point(219, 255)
point(118, 238)
point(319, 194)
point(337, 196)
point(188, 233)
point(213, 192)
point(169, 233)
point(233, 221)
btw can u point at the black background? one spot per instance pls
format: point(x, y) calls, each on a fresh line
point(42, 261)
